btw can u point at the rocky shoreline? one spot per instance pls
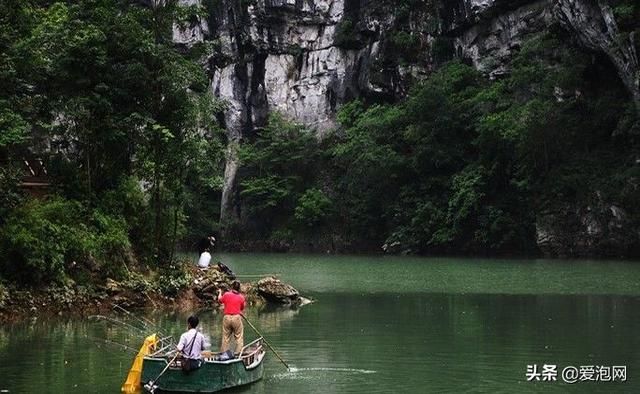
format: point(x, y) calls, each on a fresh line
point(194, 290)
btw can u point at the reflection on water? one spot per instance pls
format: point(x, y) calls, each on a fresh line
point(392, 341)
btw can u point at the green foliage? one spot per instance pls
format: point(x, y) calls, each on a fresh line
point(187, 15)
point(464, 164)
point(406, 46)
point(139, 283)
point(442, 49)
point(4, 295)
point(468, 190)
point(101, 81)
point(174, 278)
point(347, 35)
point(313, 208)
point(626, 14)
point(45, 240)
point(350, 112)
point(370, 167)
point(10, 195)
point(14, 128)
point(279, 164)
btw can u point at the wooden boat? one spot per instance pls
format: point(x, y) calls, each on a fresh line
point(212, 376)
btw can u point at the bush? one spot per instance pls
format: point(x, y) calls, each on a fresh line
point(46, 240)
point(313, 208)
point(406, 46)
point(129, 201)
point(278, 166)
point(626, 15)
point(174, 278)
point(111, 243)
point(347, 36)
point(10, 194)
point(4, 295)
point(138, 282)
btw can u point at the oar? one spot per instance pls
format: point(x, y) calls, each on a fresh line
point(115, 321)
point(150, 386)
point(265, 341)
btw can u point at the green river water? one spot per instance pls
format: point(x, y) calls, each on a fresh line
point(383, 325)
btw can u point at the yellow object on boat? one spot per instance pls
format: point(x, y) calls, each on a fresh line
point(132, 384)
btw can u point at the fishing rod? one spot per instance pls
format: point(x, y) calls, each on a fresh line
point(145, 322)
point(114, 343)
point(129, 314)
point(158, 352)
point(115, 321)
point(164, 343)
point(171, 339)
point(149, 321)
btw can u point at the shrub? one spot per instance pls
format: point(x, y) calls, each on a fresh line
point(10, 194)
point(313, 208)
point(406, 46)
point(4, 295)
point(44, 240)
point(278, 166)
point(347, 36)
point(626, 15)
point(174, 278)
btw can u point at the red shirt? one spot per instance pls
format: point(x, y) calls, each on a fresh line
point(233, 303)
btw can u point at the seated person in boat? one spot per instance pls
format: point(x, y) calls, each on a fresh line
point(234, 304)
point(191, 345)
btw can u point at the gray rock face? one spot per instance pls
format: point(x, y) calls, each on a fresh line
point(601, 229)
point(305, 58)
point(593, 23)
point(491, 43)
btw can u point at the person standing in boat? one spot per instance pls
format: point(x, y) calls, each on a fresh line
point(191, 345)
point(234, 304)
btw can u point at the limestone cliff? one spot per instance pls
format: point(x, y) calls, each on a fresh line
point(305, 58)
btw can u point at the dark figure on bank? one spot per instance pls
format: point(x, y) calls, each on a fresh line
point(226, 270)
point(206, 243)
point(191, 345)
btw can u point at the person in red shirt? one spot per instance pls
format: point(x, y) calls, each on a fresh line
point(234, 304)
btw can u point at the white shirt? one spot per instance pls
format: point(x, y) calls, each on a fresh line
point(195, 350)
point(204, 260)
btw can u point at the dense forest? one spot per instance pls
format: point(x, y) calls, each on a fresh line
point(134, 145)
point(124, 124)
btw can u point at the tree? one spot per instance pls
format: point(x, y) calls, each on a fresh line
point(278, 166)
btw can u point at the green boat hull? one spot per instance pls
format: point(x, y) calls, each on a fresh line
point(211, 377)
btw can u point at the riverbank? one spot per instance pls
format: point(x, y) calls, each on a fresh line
point(184, 288)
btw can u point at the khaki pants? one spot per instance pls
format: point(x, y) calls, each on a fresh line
point(232, 325)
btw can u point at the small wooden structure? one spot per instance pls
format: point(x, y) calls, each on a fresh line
point(35, 179)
